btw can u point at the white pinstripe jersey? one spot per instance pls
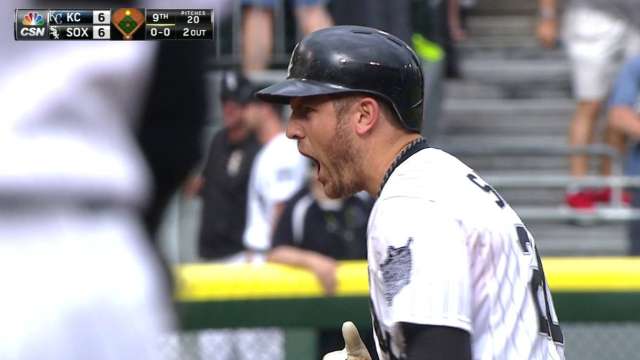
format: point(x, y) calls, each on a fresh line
point(445, 249)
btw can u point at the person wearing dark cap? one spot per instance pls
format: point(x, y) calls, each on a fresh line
point(223, 185)
point(225, 175)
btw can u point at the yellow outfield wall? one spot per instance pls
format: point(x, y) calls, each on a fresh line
point(206, 282)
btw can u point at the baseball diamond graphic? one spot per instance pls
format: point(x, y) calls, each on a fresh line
point(127, 21)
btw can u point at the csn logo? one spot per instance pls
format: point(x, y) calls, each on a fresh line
point(33, 19)
point(33, 25)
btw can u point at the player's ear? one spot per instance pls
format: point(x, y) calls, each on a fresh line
point(367, 114)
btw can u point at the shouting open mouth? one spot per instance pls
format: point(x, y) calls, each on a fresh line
point(313, 160)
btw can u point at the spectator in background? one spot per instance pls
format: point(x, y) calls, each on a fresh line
point(440, 22)
point(624, 116)
point(314, 231)
point(596, 35)
point(225, 177)
point(278, 172)
point(257, 28)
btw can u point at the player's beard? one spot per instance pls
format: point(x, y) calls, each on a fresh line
point(342, 165)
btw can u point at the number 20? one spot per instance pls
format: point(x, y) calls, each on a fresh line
point(547, 322)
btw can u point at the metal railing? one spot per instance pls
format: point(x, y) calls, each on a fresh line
point(616, 211)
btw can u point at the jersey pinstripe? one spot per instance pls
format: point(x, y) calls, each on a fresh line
point(445, 249)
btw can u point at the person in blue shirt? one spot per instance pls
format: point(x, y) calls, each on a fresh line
point(624, 115)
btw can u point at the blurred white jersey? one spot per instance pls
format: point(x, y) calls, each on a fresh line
point(445, 249)
point(278, 172)
point(79, 278)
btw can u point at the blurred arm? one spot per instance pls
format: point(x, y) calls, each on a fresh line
point(547, 8)
point(195, 181)
point(626, 120)
point(322, 266)
point(312, 18)
point(547, 29)
point(623, 114)
point(193, 185)
point(455, 27)
point(277, 213)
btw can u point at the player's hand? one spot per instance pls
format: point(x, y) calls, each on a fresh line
point(547, 32)
point(354, 348)
point(325, 269)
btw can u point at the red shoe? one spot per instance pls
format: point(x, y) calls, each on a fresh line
point(581, 200)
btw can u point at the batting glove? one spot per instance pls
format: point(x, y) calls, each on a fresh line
point(354, 348)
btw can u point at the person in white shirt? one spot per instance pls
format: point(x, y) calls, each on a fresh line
point(453, 272)
point(278, 172)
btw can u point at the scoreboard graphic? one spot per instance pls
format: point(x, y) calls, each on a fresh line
point(114, 24)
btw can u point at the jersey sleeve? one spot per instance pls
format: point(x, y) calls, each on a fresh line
point(422, 267)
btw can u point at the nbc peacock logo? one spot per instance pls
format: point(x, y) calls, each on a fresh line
point(33, 19)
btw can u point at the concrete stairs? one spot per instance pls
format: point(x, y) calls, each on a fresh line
point(516, 94)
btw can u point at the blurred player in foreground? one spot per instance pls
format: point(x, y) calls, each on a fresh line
point(79, 277)
point(454, 274)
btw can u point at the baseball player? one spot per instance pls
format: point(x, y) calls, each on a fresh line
point(453, 271)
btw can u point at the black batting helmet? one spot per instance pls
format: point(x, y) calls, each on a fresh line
point(355, 59)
